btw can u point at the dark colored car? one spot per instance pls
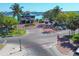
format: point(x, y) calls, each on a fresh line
point(76, 52)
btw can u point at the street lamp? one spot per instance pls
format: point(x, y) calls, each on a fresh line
point(20, 45)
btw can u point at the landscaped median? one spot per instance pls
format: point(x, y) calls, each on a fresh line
point(75, 38)
point(67, 44)
point(17, 32)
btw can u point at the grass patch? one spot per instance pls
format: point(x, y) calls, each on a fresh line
point(1, 46)
point(28, 24)
point(14, 32)
point(17, 32)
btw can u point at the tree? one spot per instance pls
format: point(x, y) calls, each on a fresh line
point(61, 18)
point(76, 22)
point(52, 14)
point(1, 19)
point(17, 10)
point(9, 21)
point(56, 11)
point(71, 21)
point(6, 24)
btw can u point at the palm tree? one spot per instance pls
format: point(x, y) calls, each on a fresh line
point(57, 10)
point(52, 14)
point(17, 10)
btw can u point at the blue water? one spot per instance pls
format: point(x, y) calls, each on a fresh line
point(38, 17)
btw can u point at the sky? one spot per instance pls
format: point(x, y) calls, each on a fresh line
point(41, 7)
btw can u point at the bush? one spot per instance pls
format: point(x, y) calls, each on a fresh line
point(27, 25)
point(75, 37)
point(21, 32)
point(27, 22)
point(41, 21)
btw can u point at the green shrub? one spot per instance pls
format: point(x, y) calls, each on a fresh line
point(27, 25)
point(41, 21)
point(17, 32)
point(27, 22)
point(21, 32)
point(75, 37)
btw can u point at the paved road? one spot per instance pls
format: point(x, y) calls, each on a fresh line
point(37, 43)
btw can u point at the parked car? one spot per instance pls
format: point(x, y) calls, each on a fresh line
point(76, 52)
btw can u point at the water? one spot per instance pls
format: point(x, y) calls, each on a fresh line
point(38, 17)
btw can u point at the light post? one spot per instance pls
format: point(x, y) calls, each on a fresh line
point(20, 45)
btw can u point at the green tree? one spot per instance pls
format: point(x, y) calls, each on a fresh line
point(6, 24)
point(1, 19)
point(71, 21)
point(9, 21)
point(61, 18)
point(52, 14)
point(17, 10)
point(76, 22)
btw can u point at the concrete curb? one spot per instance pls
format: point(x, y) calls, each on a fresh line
point(57, 52)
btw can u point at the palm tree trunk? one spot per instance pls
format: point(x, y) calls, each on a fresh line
point(18, 17)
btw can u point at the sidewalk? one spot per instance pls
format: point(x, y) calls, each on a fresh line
point(54, 49)
point(51, 47)
point(12, 50)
